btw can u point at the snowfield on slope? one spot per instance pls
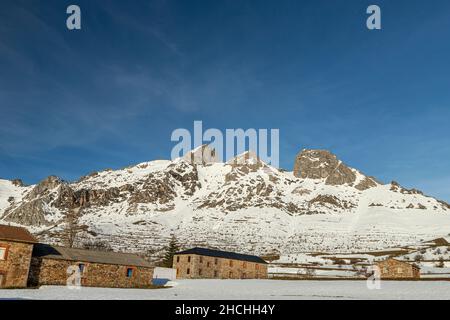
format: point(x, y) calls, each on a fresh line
point(10, 192)
point(248, 290)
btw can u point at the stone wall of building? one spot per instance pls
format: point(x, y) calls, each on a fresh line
point(393, 269)
point(45, 271)
point(204, 267)
point(15, 266)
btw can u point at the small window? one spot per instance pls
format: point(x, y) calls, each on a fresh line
point(189, 258)
point(188, 271)
point(2, 253)
point(231, 274)
point(81, 266)
point(208, 264)
point(216, 261)
point(231, 263)
point(201, 259)
point(129, 272)
point(216, 274)
point(178, 259)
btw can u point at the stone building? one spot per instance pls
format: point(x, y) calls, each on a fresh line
point(24, 262)
point(49, 266)
point(395, 269)
point(16, 246)
point(199, 263)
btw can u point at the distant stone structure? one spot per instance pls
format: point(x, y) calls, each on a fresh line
point(201, 263)
point(395, 269)
point(24, 262)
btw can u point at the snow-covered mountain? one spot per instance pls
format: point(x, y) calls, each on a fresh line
point(244, 204)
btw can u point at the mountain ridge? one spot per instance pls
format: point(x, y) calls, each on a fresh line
point(243, 204)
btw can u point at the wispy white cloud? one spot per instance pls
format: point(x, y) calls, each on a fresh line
point(150, 28)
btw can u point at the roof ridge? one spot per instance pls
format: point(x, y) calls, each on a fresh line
point(16, 234)
point(223, 254)
point(92, 250)
point(47, 251)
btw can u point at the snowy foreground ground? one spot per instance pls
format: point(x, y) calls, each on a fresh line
point(248, 289)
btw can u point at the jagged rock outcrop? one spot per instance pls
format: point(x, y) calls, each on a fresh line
point(244, 164)
point(248, 158)
point(69, 198)
point(444, 204)
point(32, 213)
point(35, 207)
point(331, 200)
point(44, 187)
point(155, 189)
point(396, 187)
point(367, 183)
point(202, 155)
point(187, 174)
point(18, 183)
point(322, 164)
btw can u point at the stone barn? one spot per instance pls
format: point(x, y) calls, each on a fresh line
point(201, 263)
point(395, 269)
point(49, 265)
point(16, 246)
point(25, 262)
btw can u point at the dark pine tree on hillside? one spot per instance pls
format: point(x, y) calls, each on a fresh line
point(170, 251)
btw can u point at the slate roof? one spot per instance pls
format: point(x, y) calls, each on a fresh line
point(17, 234)
point(223, 254)
point(82, 255)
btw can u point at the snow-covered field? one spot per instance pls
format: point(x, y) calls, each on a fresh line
point(249, 289)
point(322, 272)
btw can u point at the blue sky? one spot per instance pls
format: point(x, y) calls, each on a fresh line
point(111, 94)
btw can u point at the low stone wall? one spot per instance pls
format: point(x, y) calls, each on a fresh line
point(54, 272)
point(14, 268)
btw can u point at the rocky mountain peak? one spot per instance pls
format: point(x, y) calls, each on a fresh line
point(202, 155)
point(45, 185)
point(322, 164)
point(245, 158)
point(18, 183)
point(50, 182)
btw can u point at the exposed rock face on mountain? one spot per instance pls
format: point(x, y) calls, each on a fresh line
point(366, 183)
point(202, 155)
point(244, 204)
point(33, 209)
point(18, 183)
point(318, 164)
point(322, 164)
